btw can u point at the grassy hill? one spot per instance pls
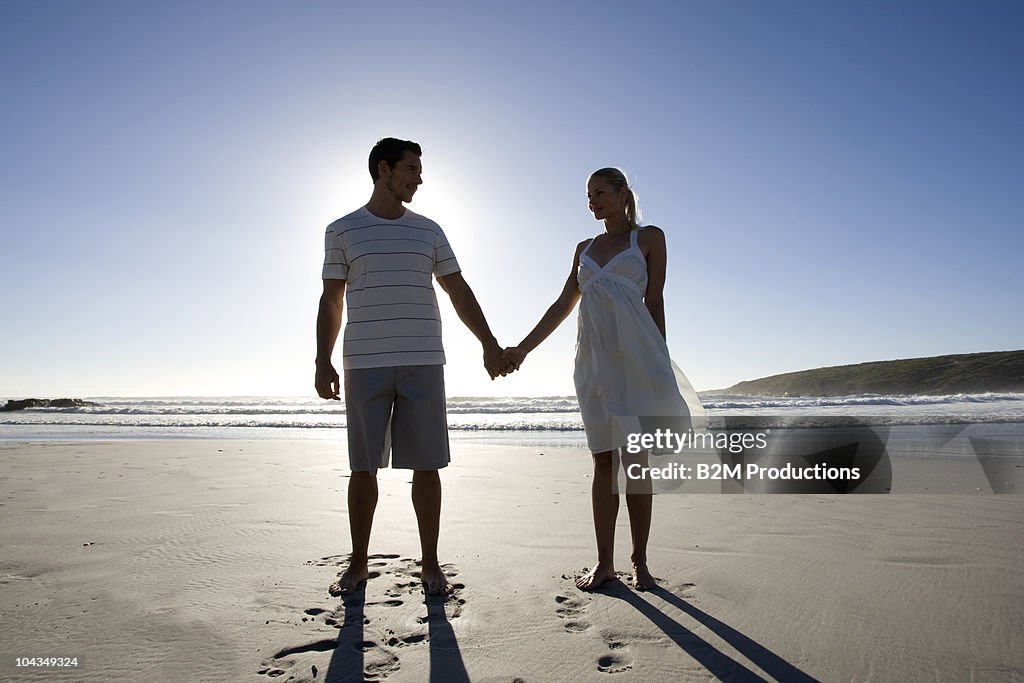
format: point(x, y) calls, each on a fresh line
point(963, 373)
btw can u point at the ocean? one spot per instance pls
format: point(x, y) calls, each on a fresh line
point(531, 421)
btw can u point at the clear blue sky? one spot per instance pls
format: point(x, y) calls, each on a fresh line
point(838, 182)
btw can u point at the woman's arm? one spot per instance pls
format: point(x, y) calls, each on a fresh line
point(554, 316)
point(652, 243)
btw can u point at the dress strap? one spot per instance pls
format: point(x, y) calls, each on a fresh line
point(633, 239)
point(586, 248)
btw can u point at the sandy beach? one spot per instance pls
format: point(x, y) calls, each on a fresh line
point(210, 561)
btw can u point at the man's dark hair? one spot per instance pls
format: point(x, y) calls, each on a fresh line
point(390, 150)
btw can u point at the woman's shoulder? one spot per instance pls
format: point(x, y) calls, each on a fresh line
point(650, 234)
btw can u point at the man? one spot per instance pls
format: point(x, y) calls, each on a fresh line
point(393, 357)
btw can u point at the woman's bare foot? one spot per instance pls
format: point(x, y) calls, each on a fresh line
point(595, 577)
point(434, 580)
point(642, 579)
point(350, 580)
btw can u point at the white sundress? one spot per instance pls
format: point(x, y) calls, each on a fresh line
point(623, 366)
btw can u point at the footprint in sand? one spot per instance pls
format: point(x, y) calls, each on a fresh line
point(272, 673)
point(329, 561)
point(407, 568)
point(571, 610)
point(378, 662)
point(325, 645)
point(401, 579)
point(618, 660)
point(456, 602)
point(376, 563)
point(380, 560)
point(681, 588)
point(339, 560)
point(453, 603)
point(395, 641)
point(399, 589)
point(613, 664)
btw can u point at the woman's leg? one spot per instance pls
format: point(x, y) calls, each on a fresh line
point(606, 507)
point(638, 504)
point(639, 507)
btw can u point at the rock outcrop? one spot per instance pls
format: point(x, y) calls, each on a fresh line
point(971, 373)
point(24, 403)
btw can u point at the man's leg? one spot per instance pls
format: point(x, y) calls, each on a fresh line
point(606, 509)
point(419, 432)
point(426, 499)
point(362, 502)
point(369, 396)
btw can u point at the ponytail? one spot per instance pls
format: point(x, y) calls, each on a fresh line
point(631, 217)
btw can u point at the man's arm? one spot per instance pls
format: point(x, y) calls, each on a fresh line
point(468, 308)
point(328, 324)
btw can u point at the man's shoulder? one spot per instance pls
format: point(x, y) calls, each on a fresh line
point(419, 219)
point(348, 220)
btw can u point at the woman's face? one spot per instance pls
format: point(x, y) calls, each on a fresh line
point(604, 200)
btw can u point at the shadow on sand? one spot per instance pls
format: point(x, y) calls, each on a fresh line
point(349, 660)
point(720, 665)
point(446, 665)
point(349, 655)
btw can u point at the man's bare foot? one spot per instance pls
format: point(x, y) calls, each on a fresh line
point(434, 580)
point(642, 579)
point(350, 580)
point(595, 577)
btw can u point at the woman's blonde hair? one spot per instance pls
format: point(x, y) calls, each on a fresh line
point(617, 179)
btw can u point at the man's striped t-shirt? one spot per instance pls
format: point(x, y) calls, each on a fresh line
point(389, 265)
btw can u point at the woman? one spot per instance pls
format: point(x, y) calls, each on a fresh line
point(622, 361)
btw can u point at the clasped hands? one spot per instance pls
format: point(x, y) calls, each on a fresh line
point(500, 361)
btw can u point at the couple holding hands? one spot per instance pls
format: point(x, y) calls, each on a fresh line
point(385, 256)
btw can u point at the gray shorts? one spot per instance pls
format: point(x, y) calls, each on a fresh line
point(398, 411)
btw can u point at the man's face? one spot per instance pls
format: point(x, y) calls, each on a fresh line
point(403, 180)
